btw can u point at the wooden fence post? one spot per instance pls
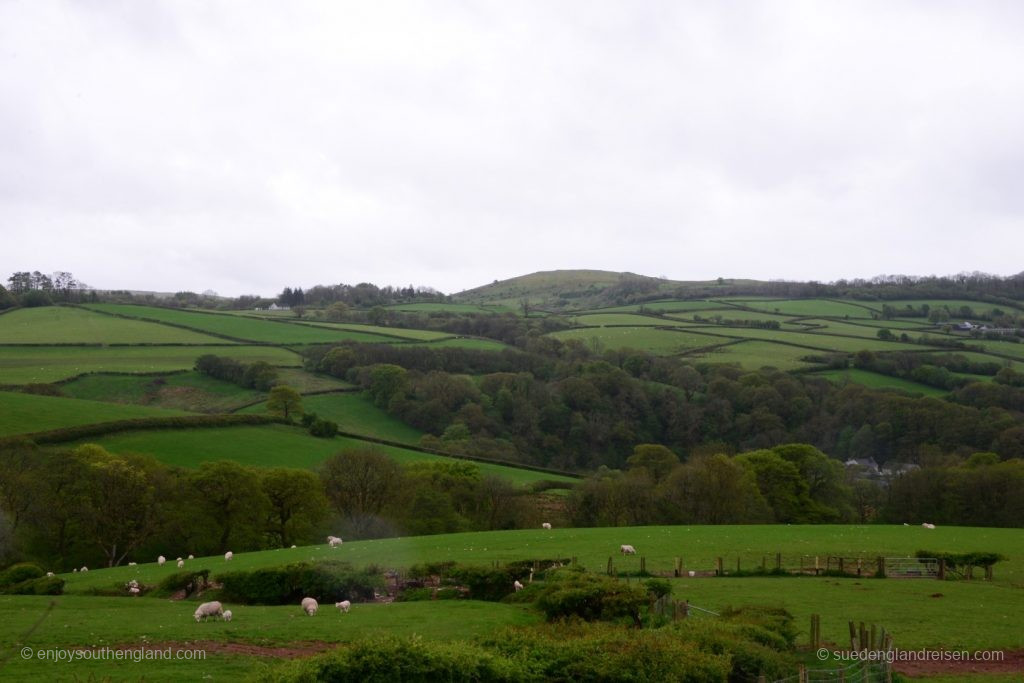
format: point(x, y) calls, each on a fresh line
point(609, 569)
point(841, 570)
point(853, 637)
point(874, 632)
point(970, 572)
point(778, 561)
point(643, 565)
point(737, 564)
point(802, 673)
point(881, 566)
point(942, 569)
point(988, 573)
point(719, 572)
point(678, 567)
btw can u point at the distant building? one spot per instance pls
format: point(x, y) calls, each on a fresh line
point(275, 307)
point(965, 326)
point(869, 464)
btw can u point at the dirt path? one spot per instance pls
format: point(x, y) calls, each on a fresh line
point(1012, 663)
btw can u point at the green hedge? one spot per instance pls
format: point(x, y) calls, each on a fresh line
point(183, 422)
point(326, 581)
point(17, 573)
point(45, 585)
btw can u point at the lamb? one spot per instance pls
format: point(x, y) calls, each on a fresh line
point(344, 605)
point(160, 560)
point(310, 606)
point(926, 525)
point(208, 609)
point(49, 573)
point(191, 557)
point(518, 586)
point(333, 541)
point(178, 559)
point(228, 555)
point(134, 590)
point(627, 550)
point(181, 563)
point(85, 569)
point(545, 525)
point(227, 615)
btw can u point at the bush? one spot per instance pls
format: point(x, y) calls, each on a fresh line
point(17, 573)
point(659, 588)
point(325, 581)
point(190, 582)
point(590, 597)
point(752, 650)
point(44, 585)
point(485, 583)
point(324, 429)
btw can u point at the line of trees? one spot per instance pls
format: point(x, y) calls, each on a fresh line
point(39, 289)
point(87, 506)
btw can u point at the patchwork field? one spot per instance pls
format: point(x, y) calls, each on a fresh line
point(469, 343)
point(35, 364)
point(756, 354)
point(271, 446)
point(26, 413)
point(644, 338)
point(185, 391)
point(400, 332)
point(810, 307)
point(66, 325)
point(875, 380)
point(601, 319)
point(240, 327)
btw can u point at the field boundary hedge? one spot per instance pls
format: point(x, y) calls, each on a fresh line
point(65, 434)
point(169, 324)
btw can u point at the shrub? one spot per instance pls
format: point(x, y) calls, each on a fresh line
point(190, 582)
point(17, 573)
point(44, 585)
point(485, 583)
point(325, 581)
point(659, 588)
point(324, 429)
point(590, 597)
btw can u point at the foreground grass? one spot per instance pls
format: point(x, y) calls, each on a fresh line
point(25, 413)
point(186, 391)
point(271, 446)
point(95, 622)
point(25, 365)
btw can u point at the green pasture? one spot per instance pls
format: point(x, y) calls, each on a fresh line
point(982, 358)
point(41, 364)
point(401, 332)
point(951, 305)
point(640, 338)
point(468, 343)
point(441, 308)
point(240, 327)
point(356, 413)
point(664, 306)
point(816, 341)
point(631, 319)
point(66, 325)
point(1002, 348)
point(754, 355)
point(875, 380)
point(811, 307)
point(303, 381)
point(830, 326)
point(272, 446)
point(184, 391)
point(98, 622)
point(26, 413)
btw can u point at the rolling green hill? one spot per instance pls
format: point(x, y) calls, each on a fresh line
point(26, 413)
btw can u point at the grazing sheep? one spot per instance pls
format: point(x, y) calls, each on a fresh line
point(228, 555)
point(132, 564)
point(926, 525)
point(545, 525)
point(160, 560)
point(518, 586)
point(295, 546)
point(178, 559)
point(344, 605)
point(692, 573)
point(49, 573)
point(191, 557)
point(75, 570)
point(310, 606)
point(134, 590)
point(85, 569)
point(208, 609)
point(227, 615)
point(627, 550)
point(333, 541)
point(181, 563)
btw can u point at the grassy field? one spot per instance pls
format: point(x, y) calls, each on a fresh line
point(186, 391)
point(97, 622)
point(26, 413)
point(34, 364)
point(401, 332)
point(642, 338)
point(468, 343)
point(65, 325)
point(951, 305)
point(241, 327)
point(443, 308)
point(303, 381)
point(811, 307)
point(271, 446)
point(874, 380)
point(665, 306)
point(631, 319)
point(754, 355)
point(817, 341)
point(355, 413)
point(829, 326)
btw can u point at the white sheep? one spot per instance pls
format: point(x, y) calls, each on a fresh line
point(295, 546)
point(344, 605)
point(181, 563)
point(75, 570)
point(133, 564)
point(333, 541)
point(545, 525)
point(310, 606)
point(134, 590)
point(191, 557)
point(49, 573)
point(692, 573)
point(926, 525)
point(228, 555)
point(178, 559)
point(85, 569)
point(208, 609)
point(227, 615)
point(627, 550)
point(518, 586)
point(160, 560)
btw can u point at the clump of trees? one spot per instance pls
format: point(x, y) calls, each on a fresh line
point(260, 375)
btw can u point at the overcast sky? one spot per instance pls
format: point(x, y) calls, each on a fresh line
point(245, 146)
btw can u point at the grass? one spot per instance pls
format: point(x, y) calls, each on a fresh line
point(665, 306)
point(984, 358)
point(24, 365)
point(817, 341)
point(241, 327)
point(303, 381)
point(356, 413)
point(441, 308)
point(271, 446)
point(865, 330)
point(626, 319)
point(952, 305)
point(97, 622)
point(187, 391)
point(65, 325)
point(402, 332)
point(469, 343)
point(26, 413)
point(641, 338)
point(757, 354)
point(811, 307)
point(875, 380)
